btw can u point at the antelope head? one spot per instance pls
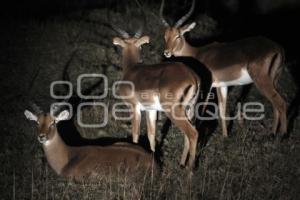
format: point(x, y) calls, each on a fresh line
point(46, 123)
point(131, 46)
point(174, 36)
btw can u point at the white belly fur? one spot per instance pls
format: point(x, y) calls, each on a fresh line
point(154, 106)
point(242, 80)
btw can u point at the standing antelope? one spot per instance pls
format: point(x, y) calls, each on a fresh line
point(168, 87)
point(86, 161)
point(255, 59)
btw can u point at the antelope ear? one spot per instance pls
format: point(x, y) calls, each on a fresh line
point(29, 115)
point(143, 40)
point(187, 28)
point(118, 41)
point(64, 115)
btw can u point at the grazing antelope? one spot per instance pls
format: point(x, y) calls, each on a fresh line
point(170, 87)
point(86, 161)
point(255, 59)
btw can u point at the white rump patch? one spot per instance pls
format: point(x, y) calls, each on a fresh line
point(242, 80)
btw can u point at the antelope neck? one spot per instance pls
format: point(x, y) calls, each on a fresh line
point(129, 58)
point(189, 50)
point(57, 153)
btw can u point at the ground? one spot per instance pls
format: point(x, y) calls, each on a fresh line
point(35, 52)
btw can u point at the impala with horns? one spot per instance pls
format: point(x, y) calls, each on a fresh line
point(170, 87)
point(255, 60)
point(80, 162)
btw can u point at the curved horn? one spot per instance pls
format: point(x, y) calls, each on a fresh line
point(55, 109)
point(139, 32)
point(185, 17)
point(36, 108)
point(165, 23)
point(123, 33)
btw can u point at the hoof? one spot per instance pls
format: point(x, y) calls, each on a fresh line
point(284, 136)
point(182, 166)
point(273, 136)
point(191, 174)
point(279, 137)
point(225, 135)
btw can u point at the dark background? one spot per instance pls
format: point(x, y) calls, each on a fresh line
point(236, 18)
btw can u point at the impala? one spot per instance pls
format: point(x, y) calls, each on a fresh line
point(86, 161)
point(170, 87)
point(255, 60)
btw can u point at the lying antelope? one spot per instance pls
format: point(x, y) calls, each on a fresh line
point(86, 161)
point(168, 87)
point(255, 59)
